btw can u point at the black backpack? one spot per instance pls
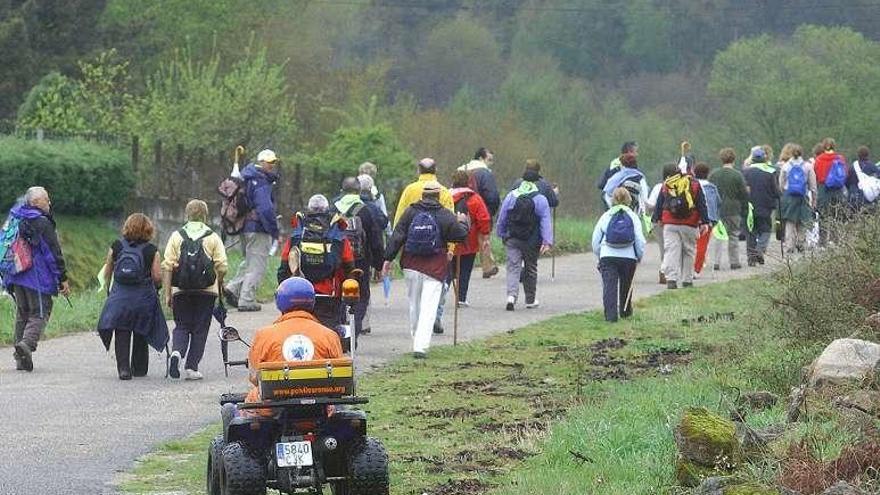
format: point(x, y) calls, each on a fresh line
point(129, 268)
point(354, 231)
point(522, 221)
point(320, 246)
point(195, 269)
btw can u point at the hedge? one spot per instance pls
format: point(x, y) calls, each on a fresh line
point(82, 178)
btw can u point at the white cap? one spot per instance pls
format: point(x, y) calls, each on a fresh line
point(267, 156)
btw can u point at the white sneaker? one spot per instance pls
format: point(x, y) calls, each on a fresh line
point(464, 304)
point(533, 305)
point(192, 375)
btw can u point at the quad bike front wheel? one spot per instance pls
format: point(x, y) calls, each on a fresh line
point(242, 474)
point(214, 470)
point(367, 468)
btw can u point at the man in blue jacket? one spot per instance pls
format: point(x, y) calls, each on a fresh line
point(260, 231)
point(34, 287)
point(525, 225)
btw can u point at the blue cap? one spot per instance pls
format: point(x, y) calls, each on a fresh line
point(758, 154)
point(295, 293)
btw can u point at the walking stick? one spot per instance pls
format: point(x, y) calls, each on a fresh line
point(457, 282)
point(553, 251)
point(629, 294)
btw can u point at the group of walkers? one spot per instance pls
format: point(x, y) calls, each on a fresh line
point(695, 211)
point(437, 234)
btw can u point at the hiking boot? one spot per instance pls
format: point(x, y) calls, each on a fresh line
point(174, 365)
point(231, 299)
point(736, 266)
point(124, 375)
point(760, 260)
point(365, 331)
point(662, 278)
point(18, 365)
point(24, 354)
point(420, 355)
point(192, 375)
point(249, 308)
point(511, 301)
point(534, 304)
point(438, 328)
point(687, 285)
point(716, 268)
point(751, 262)
point(671, 284)
point(491, 273)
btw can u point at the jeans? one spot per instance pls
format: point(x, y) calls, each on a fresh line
point(522, 268)
point(32, 311)
point(464, 279)
point(617, 278)
point(423, 293)
point(252, 268)
point(679, 243)
point(759, 238)
point(192, 320)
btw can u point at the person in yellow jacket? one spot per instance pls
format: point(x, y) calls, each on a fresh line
point(189, 294)
point(413, 193)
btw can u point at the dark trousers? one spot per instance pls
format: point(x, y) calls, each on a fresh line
point(32, 311)
point(617, 278)
point(132, 355)
point(467, 267)
point(192, 320)
point(360, 309)
point(759, 238)
point(328, 311)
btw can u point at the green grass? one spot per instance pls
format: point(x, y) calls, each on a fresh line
point(572, 235)
point(480, 413)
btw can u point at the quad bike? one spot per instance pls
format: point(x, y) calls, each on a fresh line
point(303, 435)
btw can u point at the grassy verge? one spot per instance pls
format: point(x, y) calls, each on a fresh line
point(476, 418)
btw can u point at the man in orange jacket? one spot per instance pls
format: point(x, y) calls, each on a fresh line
point(295, 336)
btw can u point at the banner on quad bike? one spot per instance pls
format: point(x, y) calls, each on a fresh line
point(292, 379)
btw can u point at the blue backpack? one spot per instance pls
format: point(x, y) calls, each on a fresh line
point(423, 237)
point(797, 181)
point(621, 233)
point(129, 268)
point(836, 175)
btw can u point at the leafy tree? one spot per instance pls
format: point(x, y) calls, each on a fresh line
point(190, 102)
point(820, 82)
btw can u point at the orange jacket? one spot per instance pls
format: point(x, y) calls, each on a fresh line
point(269, 341)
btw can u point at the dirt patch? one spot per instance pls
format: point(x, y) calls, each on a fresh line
point(608, 344)
point(708, 319)
point(516, 428)
point(511, 453)
point(486, 386)
point(494, 364)
point(460, 487)
point(448, 413)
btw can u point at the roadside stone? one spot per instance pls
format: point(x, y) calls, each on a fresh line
point(753, 442)
point(691, 474)
point(795, 401)
point(866, 401)
point(713, 486)
point(845, 361)
point(842, 488)
point(726, 485)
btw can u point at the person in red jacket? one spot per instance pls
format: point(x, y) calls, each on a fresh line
point(832, 172)
point(469, 202)
point(326, 268)
point(681, 208)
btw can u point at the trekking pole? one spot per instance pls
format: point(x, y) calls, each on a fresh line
point(457, 282)
point(553, 251)
point(68, 301)
point(629, 294)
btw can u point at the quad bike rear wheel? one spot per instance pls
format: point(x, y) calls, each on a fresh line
point(367, 468)
point(215, 466)
point(242, 474)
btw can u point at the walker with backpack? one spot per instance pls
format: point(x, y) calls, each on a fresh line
point(234, 204)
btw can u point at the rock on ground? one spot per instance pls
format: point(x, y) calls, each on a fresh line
point(846, 361)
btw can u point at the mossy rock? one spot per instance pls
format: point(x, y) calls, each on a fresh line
point(691, 474)
point(707, 439)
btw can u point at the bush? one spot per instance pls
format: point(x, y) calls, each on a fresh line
point(81, 177)
point(830, 292)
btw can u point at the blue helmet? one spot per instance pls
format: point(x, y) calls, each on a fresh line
point(295, 293)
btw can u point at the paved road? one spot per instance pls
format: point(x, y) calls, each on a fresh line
point(71, 426)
